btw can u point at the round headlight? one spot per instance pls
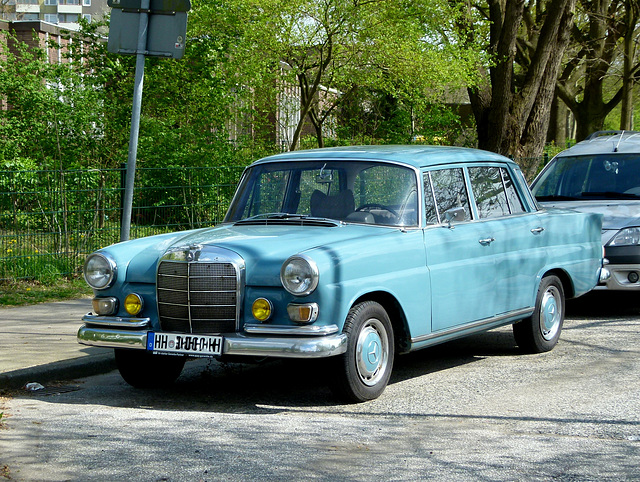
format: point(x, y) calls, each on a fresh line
point(299, 275)
point(99, 271)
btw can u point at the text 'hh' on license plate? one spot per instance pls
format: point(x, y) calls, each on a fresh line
point(194, 345)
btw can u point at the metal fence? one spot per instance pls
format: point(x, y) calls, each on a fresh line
point(50, 220)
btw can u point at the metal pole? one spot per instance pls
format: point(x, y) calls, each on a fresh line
point(125, 226)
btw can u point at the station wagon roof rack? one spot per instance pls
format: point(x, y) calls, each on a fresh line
point(607, 141)
point(609, 133)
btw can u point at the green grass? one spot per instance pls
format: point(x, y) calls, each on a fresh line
point(20, 293)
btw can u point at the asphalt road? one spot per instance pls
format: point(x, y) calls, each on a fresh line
point(475, 409)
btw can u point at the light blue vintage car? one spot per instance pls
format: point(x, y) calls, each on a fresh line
point(349, 254)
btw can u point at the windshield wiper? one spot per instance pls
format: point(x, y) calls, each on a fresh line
point(276, 216)
point(611, 194)
point(556, 198)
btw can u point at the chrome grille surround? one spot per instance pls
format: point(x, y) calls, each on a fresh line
point(199, 290)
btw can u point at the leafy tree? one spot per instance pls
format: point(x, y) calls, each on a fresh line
point(67, 114)
point(25, 121)
point(336, 50)
point(525, 41)
point(602, 65)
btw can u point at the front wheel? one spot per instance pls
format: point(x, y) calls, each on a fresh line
point(142, 369)
point(541, 331)
point(363, 371)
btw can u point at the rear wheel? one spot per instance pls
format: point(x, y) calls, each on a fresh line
point(142, 369)
point(363, 371)
point(541, 331)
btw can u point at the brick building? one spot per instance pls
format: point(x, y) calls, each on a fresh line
point(64, 13)
point(37, 33)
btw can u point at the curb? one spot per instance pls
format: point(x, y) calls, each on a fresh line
point(63, 370)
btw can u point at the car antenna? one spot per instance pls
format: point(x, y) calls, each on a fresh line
point(615, 149)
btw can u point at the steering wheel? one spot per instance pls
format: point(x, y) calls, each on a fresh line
point(369, 206)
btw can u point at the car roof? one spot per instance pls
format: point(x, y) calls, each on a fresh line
point(603, 142)
point(413, 155)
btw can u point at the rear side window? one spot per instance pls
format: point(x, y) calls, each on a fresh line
point(515, 203)
point(494, 192)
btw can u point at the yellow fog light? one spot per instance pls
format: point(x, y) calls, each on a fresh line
point(104, 306)
point(261, 309)
point(133, 304)
point(303, 313)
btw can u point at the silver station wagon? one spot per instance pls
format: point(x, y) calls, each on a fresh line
point(602, 175)
point(352, 255)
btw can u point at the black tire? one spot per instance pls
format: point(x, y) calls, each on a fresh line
point(540, 332)
point(363, 371)
point(142, 369)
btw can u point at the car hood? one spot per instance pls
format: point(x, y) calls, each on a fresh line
point(617, 214)
point(263, 248)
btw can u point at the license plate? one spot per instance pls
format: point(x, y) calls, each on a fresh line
point(183, 344)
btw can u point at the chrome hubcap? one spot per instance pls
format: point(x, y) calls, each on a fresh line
point(372, 352)
point(550, 313)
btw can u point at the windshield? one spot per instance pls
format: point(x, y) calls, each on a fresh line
point(601, 176)
point(348, 191)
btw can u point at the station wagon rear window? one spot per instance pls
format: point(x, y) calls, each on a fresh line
point(599, 176)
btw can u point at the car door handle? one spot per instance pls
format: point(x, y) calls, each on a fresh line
point(537, 230)
point(486, 241)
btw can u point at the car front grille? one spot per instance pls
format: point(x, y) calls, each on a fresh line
point(197, 297)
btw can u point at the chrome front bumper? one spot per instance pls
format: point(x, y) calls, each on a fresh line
point(314, 344)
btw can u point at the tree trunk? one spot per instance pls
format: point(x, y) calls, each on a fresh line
point(307, 94)
point(533, 137)
point(557, 132)
point(513, 114)
point(505, 21)
point(631, 18)
point(582, 85)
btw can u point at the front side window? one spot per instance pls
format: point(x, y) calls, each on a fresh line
point(349, 191)
point(445, 191)
point(389, 192)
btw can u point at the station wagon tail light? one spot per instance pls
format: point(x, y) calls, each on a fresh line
point(133, 304)
point(104, 306)
point(303, 313)
point(100, 271)
point(626, 237)
point(262, 309)
point(299, 275)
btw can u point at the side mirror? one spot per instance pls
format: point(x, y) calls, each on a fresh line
point(454, 215)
